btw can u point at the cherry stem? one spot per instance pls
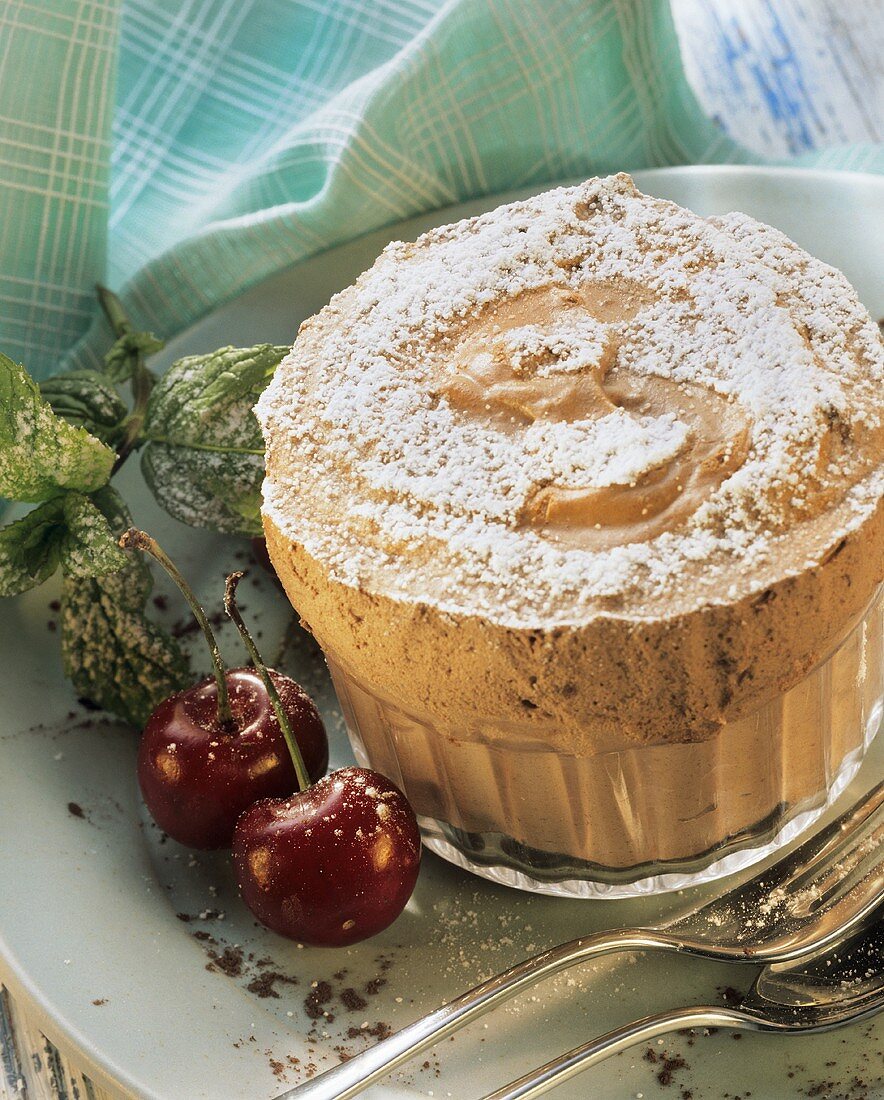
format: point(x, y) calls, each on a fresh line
point(133, 539)
point(233, 613)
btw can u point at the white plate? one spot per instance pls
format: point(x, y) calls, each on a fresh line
point(88, 905)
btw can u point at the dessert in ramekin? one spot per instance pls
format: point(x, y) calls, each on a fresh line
point(582, 499)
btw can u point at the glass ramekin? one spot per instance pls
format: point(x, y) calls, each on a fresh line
point(633, 819)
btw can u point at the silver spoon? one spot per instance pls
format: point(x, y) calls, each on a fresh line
point(843, 984)
point(808, 899)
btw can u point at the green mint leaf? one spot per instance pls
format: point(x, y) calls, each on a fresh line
point(205, 458)
point(30, 548)
point(204, 489)
point(68, 530)
point(207, 400)
point(119, 362)
point(40, 453)
point(86, 399)
point(112, 652)
point(89, 547)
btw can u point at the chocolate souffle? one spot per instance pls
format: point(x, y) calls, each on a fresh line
point(582, 499)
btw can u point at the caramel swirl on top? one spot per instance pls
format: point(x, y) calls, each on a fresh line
point(551, 355)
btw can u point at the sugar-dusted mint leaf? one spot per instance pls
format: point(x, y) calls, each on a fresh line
point(89, 546)
point(112, 652)
point(88, 400)
point(205, 489)
point(30, 548)
point(139, 581)
point(68, 530)
point(207, 400)
point(205, 458)
point(40, 453)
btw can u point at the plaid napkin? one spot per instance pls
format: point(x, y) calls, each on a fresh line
point(182, 150)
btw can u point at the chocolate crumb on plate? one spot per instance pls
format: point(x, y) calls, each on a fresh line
point(320, 994)
point(352, 1000)
point(229, 961)
point(264, 985)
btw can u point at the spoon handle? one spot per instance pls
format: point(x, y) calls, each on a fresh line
point(355, 1075)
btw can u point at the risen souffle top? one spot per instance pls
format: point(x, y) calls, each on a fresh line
point(589, 401)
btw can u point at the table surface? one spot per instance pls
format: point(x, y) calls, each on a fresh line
point(782, 76)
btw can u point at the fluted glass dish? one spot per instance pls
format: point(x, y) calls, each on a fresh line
point(629, 818)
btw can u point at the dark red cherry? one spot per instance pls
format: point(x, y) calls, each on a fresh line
point(198, 775)
point(330, 865)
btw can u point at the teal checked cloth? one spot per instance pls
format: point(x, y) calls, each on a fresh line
point(182, 150)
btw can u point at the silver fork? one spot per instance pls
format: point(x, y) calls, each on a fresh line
point(842, 984)
point(807, 900)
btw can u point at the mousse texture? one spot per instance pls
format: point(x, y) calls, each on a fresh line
point(586, 475)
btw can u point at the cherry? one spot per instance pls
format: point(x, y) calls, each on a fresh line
point(211, 751)
point(333, 863)
point(330, 865)
point(197, 775)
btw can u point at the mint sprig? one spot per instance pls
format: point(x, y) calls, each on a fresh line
point(67, 531)
point(62, 442)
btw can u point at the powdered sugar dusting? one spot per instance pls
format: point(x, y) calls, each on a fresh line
point(379, 474)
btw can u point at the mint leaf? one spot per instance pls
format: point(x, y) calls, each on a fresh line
point(87, 400)
point(30, 548)
point(121, 360)
point(111, 651)
point(68, 530)
point(89, 546)
point(40, 453)
point(204, 489)
point(207, 400)
point(205, 458)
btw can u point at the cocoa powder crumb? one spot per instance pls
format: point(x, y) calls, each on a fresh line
point(352, 1001)
point(264, 985)
point(378, 1031)
point(318, 996)
point(670, 1066)
point(229, 962)
point(278, 1068)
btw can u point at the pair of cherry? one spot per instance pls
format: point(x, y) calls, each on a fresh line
point(238, 760)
